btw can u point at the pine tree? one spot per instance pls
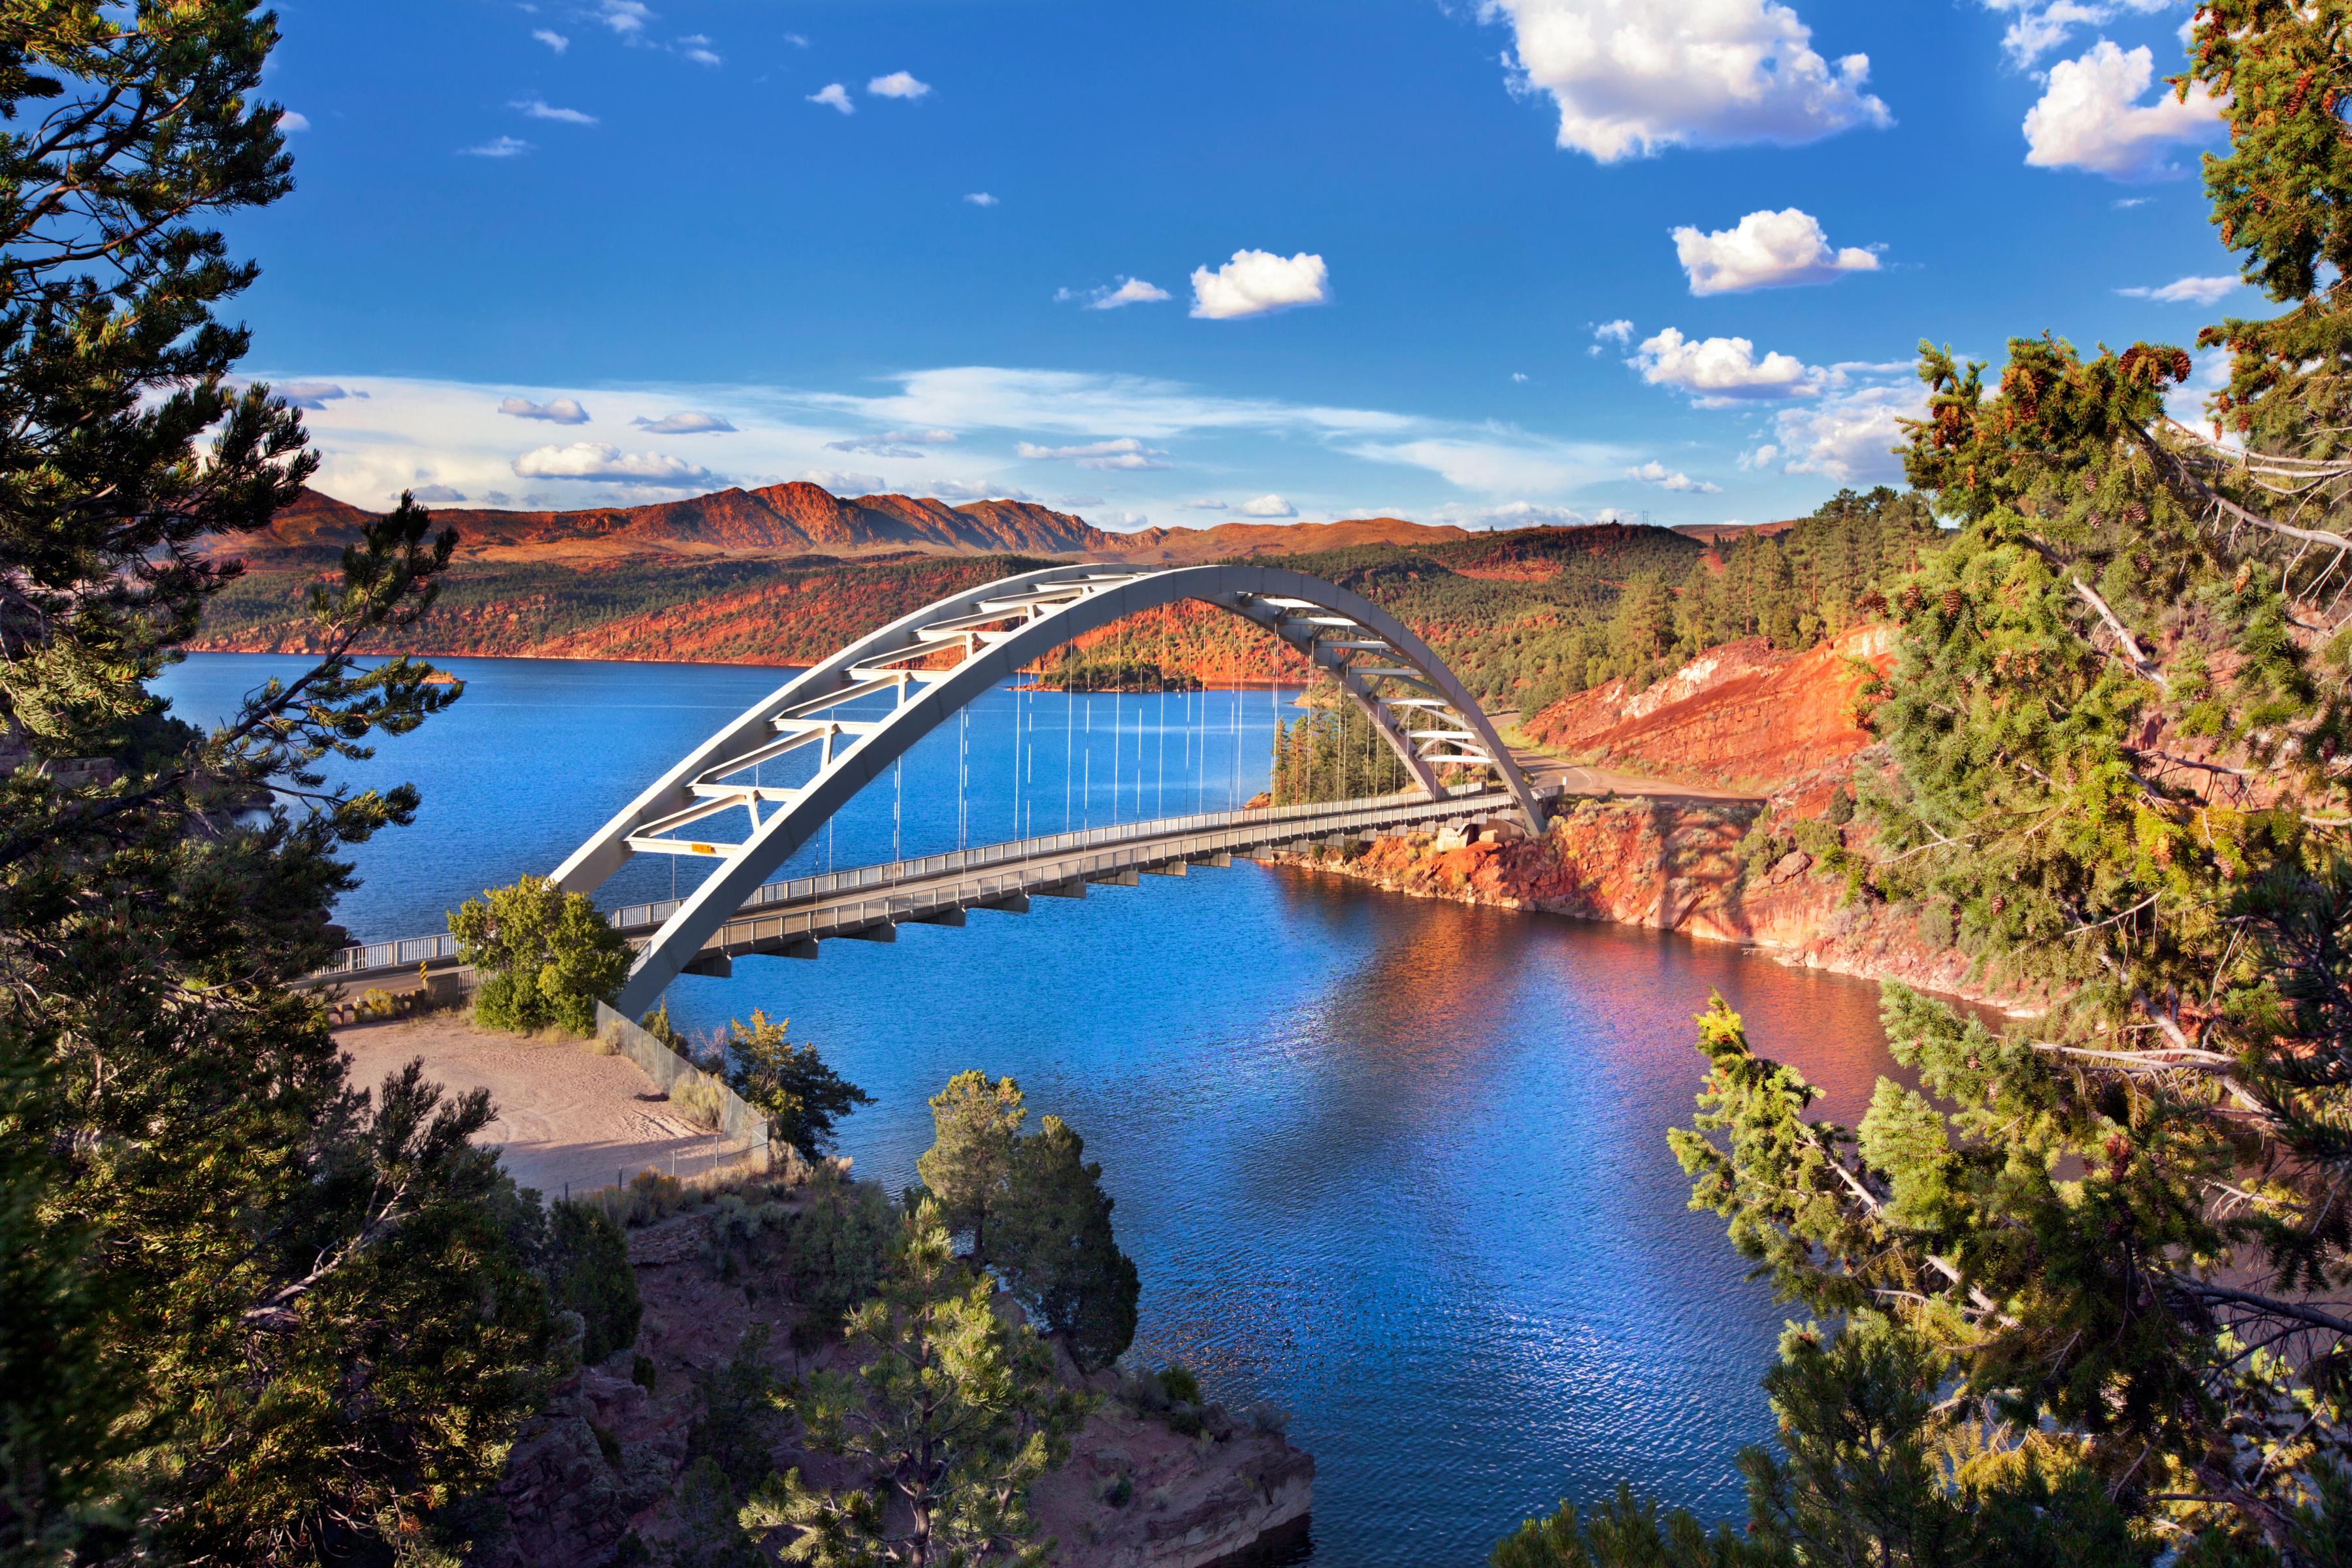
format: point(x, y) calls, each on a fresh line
point(2112, 1242)
point(250, 1314)
point(790, 1085)
point(973, 1125)
point(954, 1414)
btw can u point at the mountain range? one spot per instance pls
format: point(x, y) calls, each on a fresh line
point(801, 518)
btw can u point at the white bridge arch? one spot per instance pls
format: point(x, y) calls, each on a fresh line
point(990, 633)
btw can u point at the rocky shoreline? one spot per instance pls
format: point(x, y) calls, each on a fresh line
point(596, 1478)
point(1689, 867)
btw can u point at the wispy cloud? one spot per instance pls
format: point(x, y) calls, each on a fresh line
point(540, 109)
point(894, 443)
point(1126, 453)
point(1110, 296)
point(554, 411)
point(627, 17)
point(2185, 290)
point(496, 147)
point(688, 423)
point(551, 39)
point(833, 95)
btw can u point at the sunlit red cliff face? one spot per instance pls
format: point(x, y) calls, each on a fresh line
point(1786, 726)
point(1736, 717)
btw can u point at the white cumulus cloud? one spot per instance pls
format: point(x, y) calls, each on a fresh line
point(289, 121)
point(833, 95)
point(980, 199)
point(2038, 26)
point(1765, 250)
point(1717, 373)
point(1269, 506)
point(608, 464)
point(899, 84)
point(692, 422)
point(1656, 473)
point(627, 17)
point(1204, 504)
point(540, 109)
point(2091, 117)
point(1631, 77)
point(1848, 436)
point(554, 411)
point(1256, 281)
point(551, 39)
point(1126, 453)
point(2184, 291)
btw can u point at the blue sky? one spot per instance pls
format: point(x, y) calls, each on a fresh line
point(1527, 261)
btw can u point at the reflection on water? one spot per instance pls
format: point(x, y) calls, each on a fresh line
point(1396, 1165)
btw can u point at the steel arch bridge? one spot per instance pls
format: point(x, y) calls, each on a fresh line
point(942, 656)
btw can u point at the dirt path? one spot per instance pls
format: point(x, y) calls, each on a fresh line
point(566, 1115)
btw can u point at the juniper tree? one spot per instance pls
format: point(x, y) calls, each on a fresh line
point(2112, 1241)
point(250, 1313)
point(545, 956)
point(1054, 1249)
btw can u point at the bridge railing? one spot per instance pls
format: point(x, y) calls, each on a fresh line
point(924, 869)
point(375, 957)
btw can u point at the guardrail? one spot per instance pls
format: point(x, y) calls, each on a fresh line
point(1042, 861)
point(667, 1070)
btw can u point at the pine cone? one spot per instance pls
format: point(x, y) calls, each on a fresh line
point(2135, 514)
point(1912, 596)
point(2000, 903)
point(1951, 601)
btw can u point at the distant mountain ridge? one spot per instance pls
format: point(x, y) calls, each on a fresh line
point(796, 518)
point(801, 518)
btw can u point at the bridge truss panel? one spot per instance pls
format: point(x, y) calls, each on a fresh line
point(989, 634)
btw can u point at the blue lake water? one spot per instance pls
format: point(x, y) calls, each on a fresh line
point(1396, 1165)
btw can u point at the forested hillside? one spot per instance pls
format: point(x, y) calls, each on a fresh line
point(1525, 618)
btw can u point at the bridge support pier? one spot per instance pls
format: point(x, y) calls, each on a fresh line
point(1018, 904)
point(1167, 868)
point(1074, 888)
point(805, 948)
point(718, 965)
point(880, 930)
point(1124, 877)
point(942, 918)
point(1220, 861)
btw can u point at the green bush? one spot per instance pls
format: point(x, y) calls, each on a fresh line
point(545, 956)
point(1179, 1384)
point(588, 1272)
point(836, 1251)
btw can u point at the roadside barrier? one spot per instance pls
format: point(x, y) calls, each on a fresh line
point(670, 1072)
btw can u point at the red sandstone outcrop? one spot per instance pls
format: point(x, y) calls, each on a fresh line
point(1739, 716)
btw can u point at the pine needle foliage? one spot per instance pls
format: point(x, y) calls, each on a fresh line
point(2087, 1282)
point(953, 1414)
point(247, 1313)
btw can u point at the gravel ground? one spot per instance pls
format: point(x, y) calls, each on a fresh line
point(565, 1114)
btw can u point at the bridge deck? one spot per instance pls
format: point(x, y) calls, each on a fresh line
point(790, 918)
